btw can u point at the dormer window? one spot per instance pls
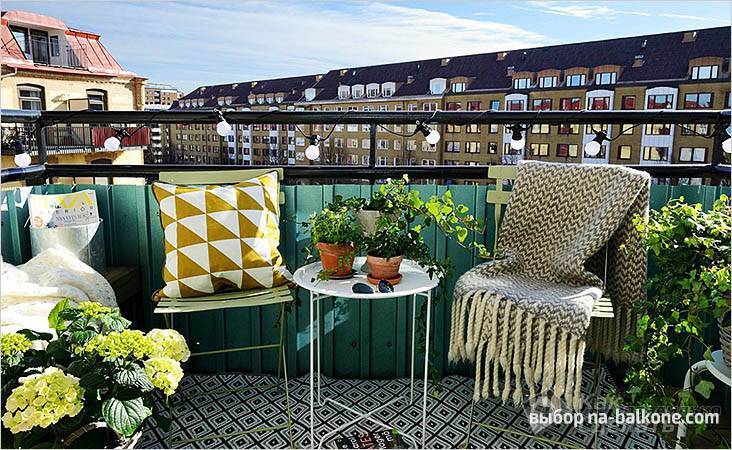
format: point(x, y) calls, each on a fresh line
point(228, 100)
point(260, 100)
point(547, 82)
point(388, 88)
point(575, 80)
point(521, 83)
point(344, 92)
point(270, 99)
point(279, 98)
point(221, 101)
point(458, 87)
point(437, 86)
point(605, 78)
point(309, 94)
point(704, 72)
point(372, 90)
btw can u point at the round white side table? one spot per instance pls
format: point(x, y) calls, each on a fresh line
point(717, 367)
point(415, 282)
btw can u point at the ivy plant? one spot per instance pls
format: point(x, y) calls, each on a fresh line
point(688, 291)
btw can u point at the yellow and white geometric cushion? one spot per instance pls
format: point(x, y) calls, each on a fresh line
point(220, 238)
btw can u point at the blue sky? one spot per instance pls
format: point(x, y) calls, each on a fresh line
point(189, 43)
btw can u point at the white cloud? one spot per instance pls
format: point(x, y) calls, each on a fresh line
point(190, 44)
point(590, 11)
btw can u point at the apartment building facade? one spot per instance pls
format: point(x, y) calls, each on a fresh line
point(680, 70)
point(47, 65)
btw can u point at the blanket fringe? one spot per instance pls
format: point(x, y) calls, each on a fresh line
point(513, 348)
point(607, 336)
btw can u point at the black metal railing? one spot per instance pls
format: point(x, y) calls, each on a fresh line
point(719, 121)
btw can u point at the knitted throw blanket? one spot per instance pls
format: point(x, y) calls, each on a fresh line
point(523, 319)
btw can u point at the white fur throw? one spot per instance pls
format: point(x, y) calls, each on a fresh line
point(30, 291)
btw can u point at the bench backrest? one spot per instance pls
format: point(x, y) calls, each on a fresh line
point(220, 177)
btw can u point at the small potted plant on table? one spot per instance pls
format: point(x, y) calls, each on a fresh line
point(385, 250)
point(335, 233)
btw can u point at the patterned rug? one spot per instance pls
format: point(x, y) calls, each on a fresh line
point(230, 412)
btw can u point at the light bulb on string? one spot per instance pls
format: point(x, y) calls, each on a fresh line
point(727, 143)
point(22, 158)
point(593, 147)
point(312, 152)
point(430, 135)
point(517, 137)
point(113, 143)
point(223, 128)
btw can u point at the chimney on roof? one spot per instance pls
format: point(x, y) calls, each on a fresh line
point(202, 90)
point(410, 79)
point(318, 77)
point(689, 36)
point(638, 61)
point(444, 61)
point(254, 83)
point(344, 71)
point(235, 85)
point(645, 42)
point(509, 71)
point(501, 56)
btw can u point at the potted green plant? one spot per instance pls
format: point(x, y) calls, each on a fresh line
point(688, 291)
point(385, 250)
point(92, 385)
point(335, 233)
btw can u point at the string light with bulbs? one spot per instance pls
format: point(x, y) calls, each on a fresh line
point(312, 152)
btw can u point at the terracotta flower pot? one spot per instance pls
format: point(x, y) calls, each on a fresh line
point(337, 259)
point(384, 268)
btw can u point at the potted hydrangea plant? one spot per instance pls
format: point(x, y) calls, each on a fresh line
point(90, 386)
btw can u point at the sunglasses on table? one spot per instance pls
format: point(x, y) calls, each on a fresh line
point(362, 288)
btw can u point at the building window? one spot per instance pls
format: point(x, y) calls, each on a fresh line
point(55, 48)
point(570, 104)
point(540, 149)
point(382, 161)
point(453, 106)
point(522, 83)
point(450, 128)
point(492, 148)
point(30, 97)
point(599, 103)
point(474, 106)
point(655, 153)
point(473, 128)
point(567, 150)
point(373, 92)
point(97, 100)
point(541, 104)
point(698, 100)
point(429, 106)
point(357, 92)
point(540, 128)
point(625, 152)
point(353, 143)
point(452, 146)
point(704, 72)
point(567, 128)
point(628, 102)
point(383, 144)
point(575, 80)
point(627, 128)
point(495, 105)
point(472, 147)
point(428, 162)
point(457, 87)
point(514, 105)
point(605, 78)
point(388, 92)
point(692, 154)
point(547, 82)
point(663, 101)
point(427, 147)
point(658, 129)
point(693, 129)
point(493, 128)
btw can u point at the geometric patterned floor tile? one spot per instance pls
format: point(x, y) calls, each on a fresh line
point(200, 413)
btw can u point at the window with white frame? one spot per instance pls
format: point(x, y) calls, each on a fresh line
point(428, 162)
point(382, 144)
point(521, 83)
point(427, 147)
point(411, 146)
point(344, 92)
point(352, 127)
point(397, 144)
point(429, 106)
point(605, 78)
point(353, 143)
point(548, 82)
point(365, 143)
point(693, 154)
point(653, 153)
point(97, 100)
point(452, 146)
point(372, 90)
point(472, 147)
point(704, 72)
point(575, 80)
point(458, 87)
point(357, 91)
point(365, 160)
point(382, 161)
point(30, 97)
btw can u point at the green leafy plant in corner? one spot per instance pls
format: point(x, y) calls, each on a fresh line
point(95, 371)
point(690, 249)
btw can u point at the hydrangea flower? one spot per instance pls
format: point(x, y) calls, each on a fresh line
point(93, 310)
point(169, 344)
point(43, 399)
point(119, 344)
point(13, 343)
point(164, 373)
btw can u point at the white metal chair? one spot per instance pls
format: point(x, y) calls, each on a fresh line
point(279, 295)
point(601, 309)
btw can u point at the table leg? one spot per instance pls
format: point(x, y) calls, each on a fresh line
point(312, 390)
point(411, 354)
point(318, 337)
point(426, 368)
